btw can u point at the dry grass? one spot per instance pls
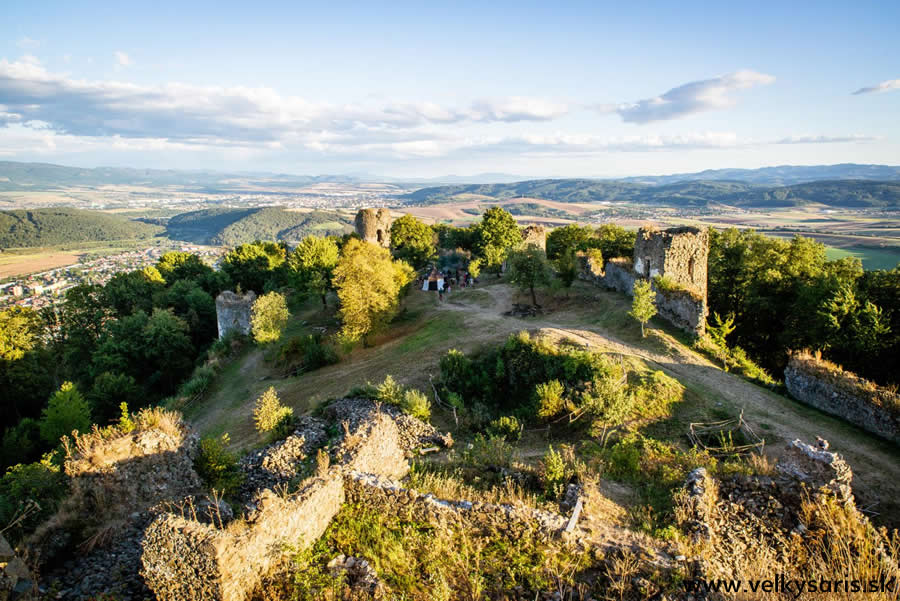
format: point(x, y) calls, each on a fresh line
point(452, 485)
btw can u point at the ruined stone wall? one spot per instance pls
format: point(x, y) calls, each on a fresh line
point(832, 390)
point(685, 309)
point(185, 560)
point(132, 471)
point(680, 254)
point(233, 312)
point(535, 235)
point(374, 225)
point(387, 496)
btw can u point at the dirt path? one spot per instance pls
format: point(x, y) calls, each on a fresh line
point(876, 462)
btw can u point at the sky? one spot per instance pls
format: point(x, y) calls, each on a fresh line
point(428, 89)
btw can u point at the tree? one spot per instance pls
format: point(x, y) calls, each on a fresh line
point(718, 333)
point(66, 411)
point(614, 241)
point(269, 411)
point(313, 263)
point(110, 389)
point(268, 317)
point(167, 350)
point(475, 268)
point(412, 241)
point(643, 307)
point(368, 284)
point(498, 234)
point(20, 329)
point(567, 267)
point(572, 237)
point(252, 265)
point(529, 268)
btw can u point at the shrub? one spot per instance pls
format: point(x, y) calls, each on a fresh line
point(66, 411)
point(29, 494)
point(269, 411)
point(199, 382)
point(550, 398)
point(489, 452)
point(268, 317)
point(390, 392)
point(554, 471)
point(217, 466)
point(126, 424)
point(507, 427)
point(307, 353)
point(21, 443)
point(416, 404)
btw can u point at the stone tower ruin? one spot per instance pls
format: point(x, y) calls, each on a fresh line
point(678, 253)
point(374, 225)
point(535, 235)
point(233, 312)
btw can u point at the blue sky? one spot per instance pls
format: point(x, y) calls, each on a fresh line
point(429, 89)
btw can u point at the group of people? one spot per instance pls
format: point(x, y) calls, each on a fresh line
point(443, 281)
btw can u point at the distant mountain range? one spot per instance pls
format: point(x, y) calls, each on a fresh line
point(783, 175)
point(838, 193)
point(45, 227)
point(45, 176)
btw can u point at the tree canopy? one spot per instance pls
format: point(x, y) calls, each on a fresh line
point(412, 241)
point(498, 234)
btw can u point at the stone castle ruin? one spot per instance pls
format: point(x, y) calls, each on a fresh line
point(675, 261)
point(374, 225)
point(534, 235)
point(679, 254)
point(233, 312)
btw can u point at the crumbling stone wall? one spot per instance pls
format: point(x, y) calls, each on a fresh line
point(679, 254)
point(374, 226)
point(833, 390)
point(534, 235)
point(133, 471)
point(186, 560)
point(233, 312)
point(387, 496)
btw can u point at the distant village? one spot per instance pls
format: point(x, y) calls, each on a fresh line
point(38, 290)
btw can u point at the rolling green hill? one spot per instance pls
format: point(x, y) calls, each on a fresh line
point(230, 227)
point(838, 193)
point(47, 227)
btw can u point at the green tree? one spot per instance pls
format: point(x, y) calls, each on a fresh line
point(269, 412)
point(643, 306)
point(412, 241)
point(572, 237)
point(313, 263)
point(20, 329)
point(252, 265)
point(498, 234)
point(614, 241)
point(167, 350)
point(567, 267)
point(528, 268)
point(66, 411)
point(109, 391)
point(718, 333)
point(268, 317)
point(369, 284)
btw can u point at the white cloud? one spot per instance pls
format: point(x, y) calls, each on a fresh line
point(807, 139)
point(122, 59)
point(187, 112)
point(690, 98)
point(885, 86)
point(27, 43)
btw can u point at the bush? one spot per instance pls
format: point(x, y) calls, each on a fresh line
point(490, 452)
point(21, 443)
point(550, 398)
point(390, 392)
point(29, 494)
point(416, 404)
point(507, 427)
point(306, 353)
point(268, 317)
point(199, 382)
point(554, 472)
point(217, 466)
point(269, 411)
point(66, 411)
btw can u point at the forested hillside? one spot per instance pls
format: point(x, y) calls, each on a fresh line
point(230, 227)
point(839, 193)
point(45, 227)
